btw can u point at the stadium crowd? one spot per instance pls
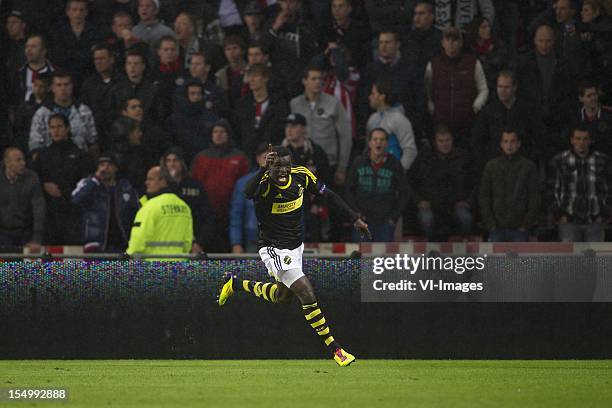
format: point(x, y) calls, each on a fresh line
point(433, 118)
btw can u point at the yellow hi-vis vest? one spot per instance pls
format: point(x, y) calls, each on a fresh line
point(163, 225)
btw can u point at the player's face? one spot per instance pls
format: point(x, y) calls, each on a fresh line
point(280, 170)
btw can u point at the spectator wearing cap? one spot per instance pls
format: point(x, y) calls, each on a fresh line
point(194, 195)
point(191, 123)
point(253, 17)
point(150, 29)
point(214, 97)
point(400, 143)
point(244, 227)
point(60, 166)
point(135, 155)
point(465, 12)
point(14, 48)
point(217, 169)
point(377, 187)
point(72, 41)
point(305, 152)
point(36, 64)
point(258, 116)
point(108, 206)
point(348, 32)
point(456, 86)
point(96, 92)
point(327, 121)
point(22, 211)
point(82, 124)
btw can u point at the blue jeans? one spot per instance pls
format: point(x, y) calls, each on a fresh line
point(380, 233)
point(581, 232)
point(508, 235)
point(462, 217)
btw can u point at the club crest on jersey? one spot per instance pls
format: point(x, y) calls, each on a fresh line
point(300, 191)
point(287, 260)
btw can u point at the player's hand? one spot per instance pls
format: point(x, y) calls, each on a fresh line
point(270, 157)
point(362, 227)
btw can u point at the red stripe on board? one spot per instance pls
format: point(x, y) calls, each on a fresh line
point(338, 248)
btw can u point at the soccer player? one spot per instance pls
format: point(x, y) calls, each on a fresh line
point(278, 191)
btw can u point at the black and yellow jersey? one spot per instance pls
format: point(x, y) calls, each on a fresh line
point(279, 209)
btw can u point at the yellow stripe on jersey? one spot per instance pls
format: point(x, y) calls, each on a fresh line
point(304, 170)
point(265, 194)
point(283, 208)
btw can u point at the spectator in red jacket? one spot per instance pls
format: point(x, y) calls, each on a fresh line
point(217, 169)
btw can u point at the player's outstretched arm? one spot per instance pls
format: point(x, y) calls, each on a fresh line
point(358, 222)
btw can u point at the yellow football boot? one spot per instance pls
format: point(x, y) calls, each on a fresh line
point(343, 358)
point(227, 290)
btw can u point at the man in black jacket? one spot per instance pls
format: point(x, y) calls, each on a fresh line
point(507, 111)
point(442, 184)
point(96, 92)
point(60, 166)
point(258, 116)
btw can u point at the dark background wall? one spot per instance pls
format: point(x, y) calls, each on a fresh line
point(161, 310)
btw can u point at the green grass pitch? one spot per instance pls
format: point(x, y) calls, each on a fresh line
point(315, 383)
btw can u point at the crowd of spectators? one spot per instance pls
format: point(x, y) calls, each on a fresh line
point(433, 118)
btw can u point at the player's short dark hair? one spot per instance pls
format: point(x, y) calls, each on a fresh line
point(61, 117)
point(281, 151)
point(378, 129)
